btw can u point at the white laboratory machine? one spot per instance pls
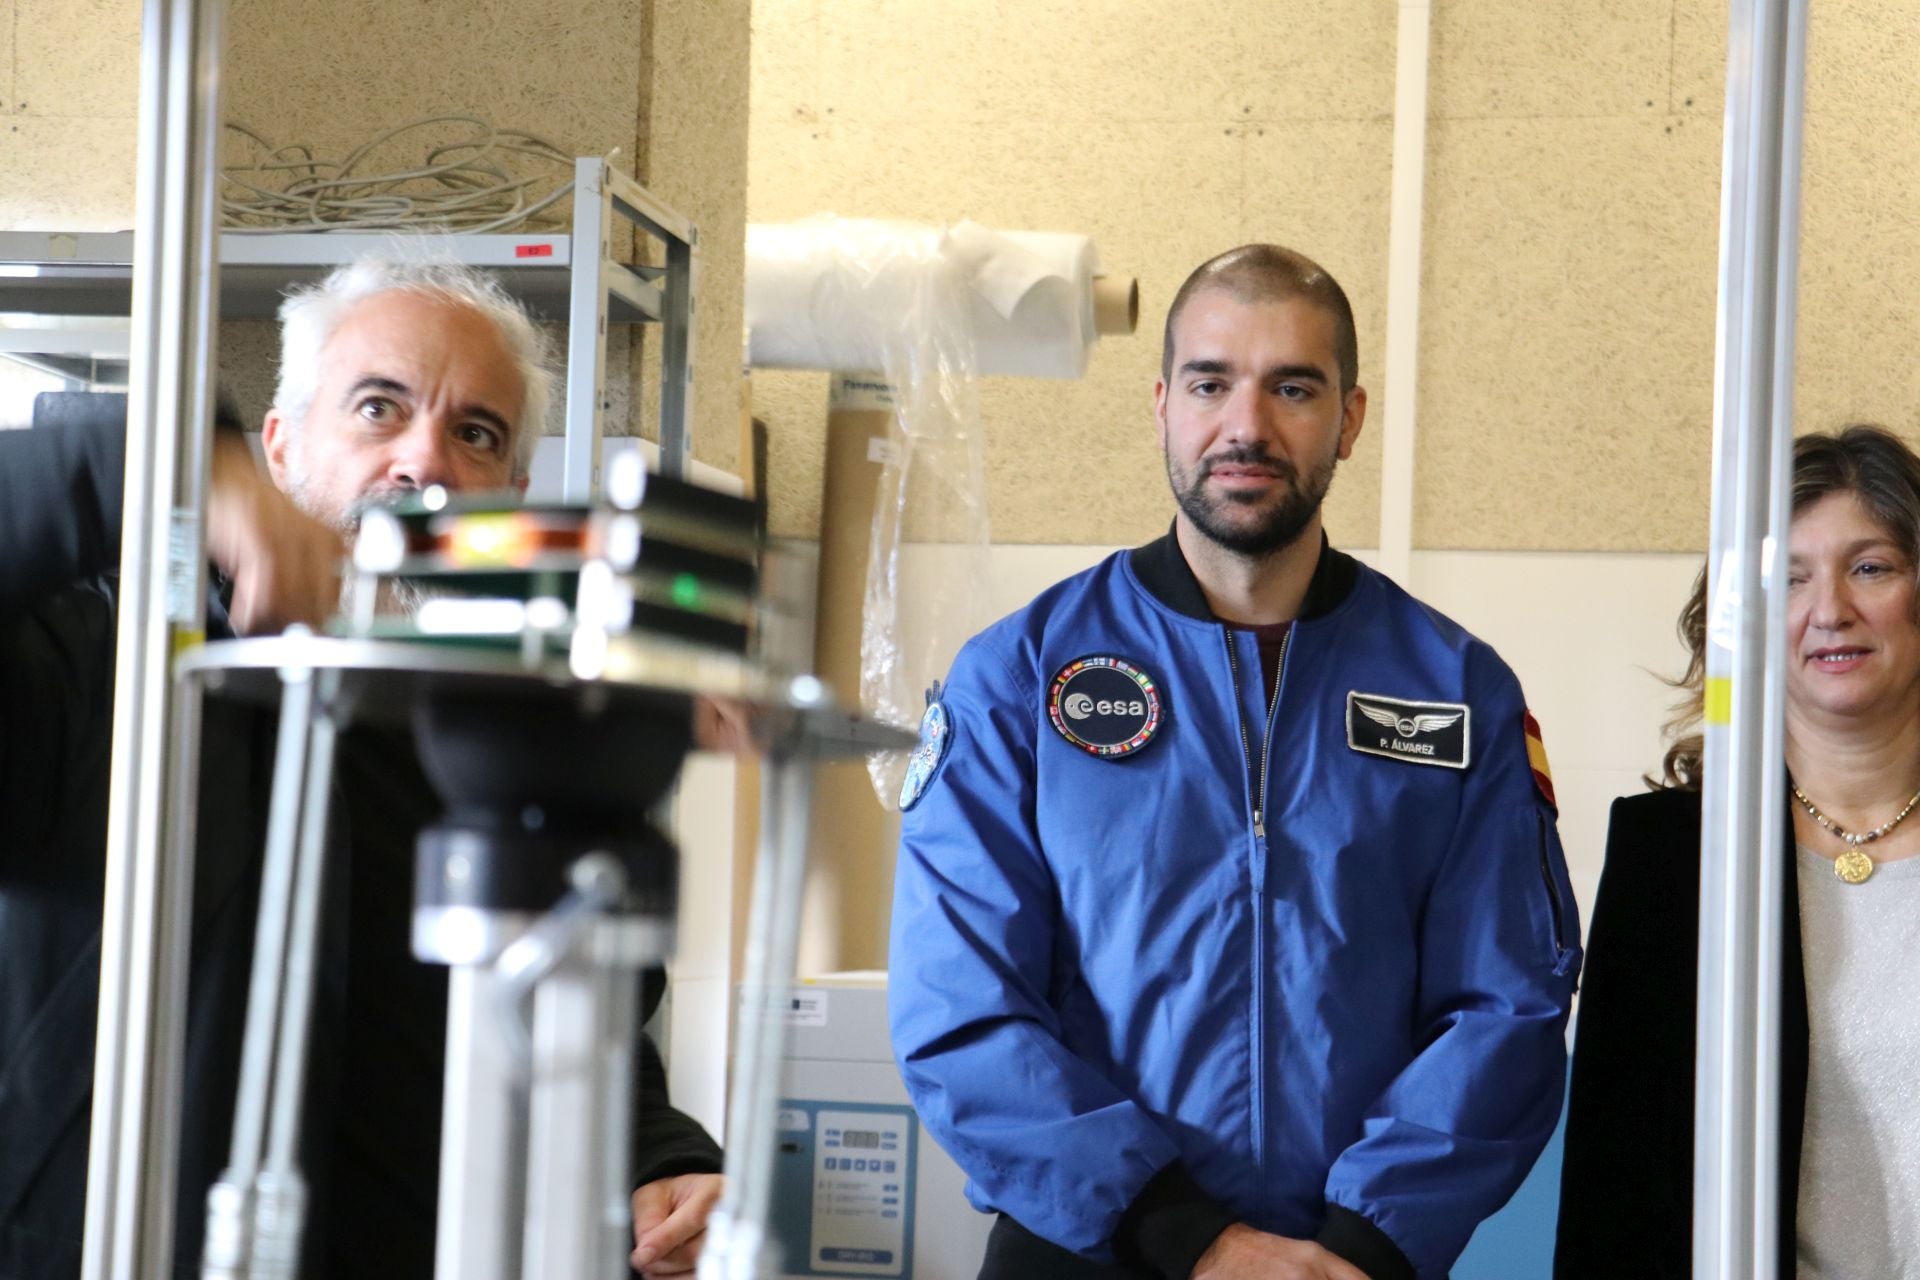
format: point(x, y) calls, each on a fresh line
point(859, 1189)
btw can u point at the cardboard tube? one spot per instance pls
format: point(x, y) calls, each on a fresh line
point(850, 882)
point(1116, 304)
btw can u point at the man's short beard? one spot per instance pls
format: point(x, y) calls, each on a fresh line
point(399, 598)
point(1277, 527)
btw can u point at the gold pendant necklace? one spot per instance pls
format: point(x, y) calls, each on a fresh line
point(1853, 866)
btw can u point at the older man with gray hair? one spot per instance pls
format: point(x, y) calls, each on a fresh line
point(394, 376)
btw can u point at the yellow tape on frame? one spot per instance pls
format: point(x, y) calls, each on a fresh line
point(1719, 700)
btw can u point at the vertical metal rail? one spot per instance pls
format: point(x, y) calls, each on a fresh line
point(739, 1246)
point(600, 192)
point(586, 334)
point(150, 815)
point(679, 293)
point(230, 1205)
point(676, 357)
point(1736, 1088)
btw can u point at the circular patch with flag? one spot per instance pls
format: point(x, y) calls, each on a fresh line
point(1106, 706)
point(936, 735)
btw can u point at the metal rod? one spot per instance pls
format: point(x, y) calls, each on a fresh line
point(586, 334)
point(483, 1146)
point(564, 1168)
point(621, 995)
point(1736, 1109)
point(638, 292)
point(737, 1236)
point(149, 859)
point(1770, 895)
point(230, 1204)
point(676, 356)
point(280, 1195)
point(639, 205)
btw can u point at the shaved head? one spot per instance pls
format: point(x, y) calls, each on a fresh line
point(1269, 273)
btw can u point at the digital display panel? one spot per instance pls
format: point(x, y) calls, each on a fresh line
point(860, 1138)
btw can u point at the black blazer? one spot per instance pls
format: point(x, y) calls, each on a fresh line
point(1626, 1188)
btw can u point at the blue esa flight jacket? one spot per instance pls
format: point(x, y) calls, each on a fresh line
point(1101, 970)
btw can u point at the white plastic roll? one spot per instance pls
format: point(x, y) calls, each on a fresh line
point(829, 293)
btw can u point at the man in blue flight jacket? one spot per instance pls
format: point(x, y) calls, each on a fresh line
point(1231, 934)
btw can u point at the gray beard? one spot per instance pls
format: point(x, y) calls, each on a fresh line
point(398, 598)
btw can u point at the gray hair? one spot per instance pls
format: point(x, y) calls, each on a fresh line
point(310, 315)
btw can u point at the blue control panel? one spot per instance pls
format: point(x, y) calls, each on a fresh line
point(843, 1188)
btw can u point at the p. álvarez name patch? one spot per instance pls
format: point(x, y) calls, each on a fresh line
point(1436, 733)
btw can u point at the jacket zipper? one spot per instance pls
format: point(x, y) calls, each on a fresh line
point(1266, 741)
point(1554, 907)
point(1257, 1095)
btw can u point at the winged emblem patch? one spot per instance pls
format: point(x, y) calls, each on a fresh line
point(1435, 733)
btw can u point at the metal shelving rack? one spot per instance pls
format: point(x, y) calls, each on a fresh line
point(51, 280)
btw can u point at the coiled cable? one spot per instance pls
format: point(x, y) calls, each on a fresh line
point(460, 186)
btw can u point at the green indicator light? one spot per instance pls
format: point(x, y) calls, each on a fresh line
point(686, 591)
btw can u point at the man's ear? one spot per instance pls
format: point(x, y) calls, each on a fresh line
point(1160, 412)
point(1353, 416)
point(276, 436)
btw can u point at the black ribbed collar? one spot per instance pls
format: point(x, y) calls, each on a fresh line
point(1163, 570)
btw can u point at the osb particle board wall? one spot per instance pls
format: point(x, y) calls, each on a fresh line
point(1166, 140)
point(334, 73)
point(67, 75)
point(1571, 230)
point(697, 160)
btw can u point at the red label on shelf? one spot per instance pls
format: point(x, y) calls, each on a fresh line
point(533, 251)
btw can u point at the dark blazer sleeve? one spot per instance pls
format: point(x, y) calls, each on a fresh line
point(59, 507)
point(1626, 1187)
point(666, 1142)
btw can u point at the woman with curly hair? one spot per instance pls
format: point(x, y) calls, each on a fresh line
point(1849, 1021)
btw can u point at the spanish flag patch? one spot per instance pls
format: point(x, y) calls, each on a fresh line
point(1537, 759)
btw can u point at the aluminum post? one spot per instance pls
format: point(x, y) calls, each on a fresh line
point(738, 1243)
point(230, 1203)
point(280, 1193)
point(586, 334)
point(1736, 1114)
point(149, 852)
point(484, 1136)
point(676, 356)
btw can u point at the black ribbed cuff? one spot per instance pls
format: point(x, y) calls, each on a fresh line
point(1366, 1246)
point(1169, 1224)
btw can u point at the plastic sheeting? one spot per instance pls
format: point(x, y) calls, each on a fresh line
point(897, 298)
point(1028, 295)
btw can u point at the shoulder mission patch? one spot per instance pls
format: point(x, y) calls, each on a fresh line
point(936, 735)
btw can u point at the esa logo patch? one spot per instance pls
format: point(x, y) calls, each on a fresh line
point(1417, 732)
point(1104, 705)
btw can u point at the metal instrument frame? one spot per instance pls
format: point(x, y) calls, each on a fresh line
point(175, 278)
point(498, 1221)
point(1736, 1212)
point(147, 919)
